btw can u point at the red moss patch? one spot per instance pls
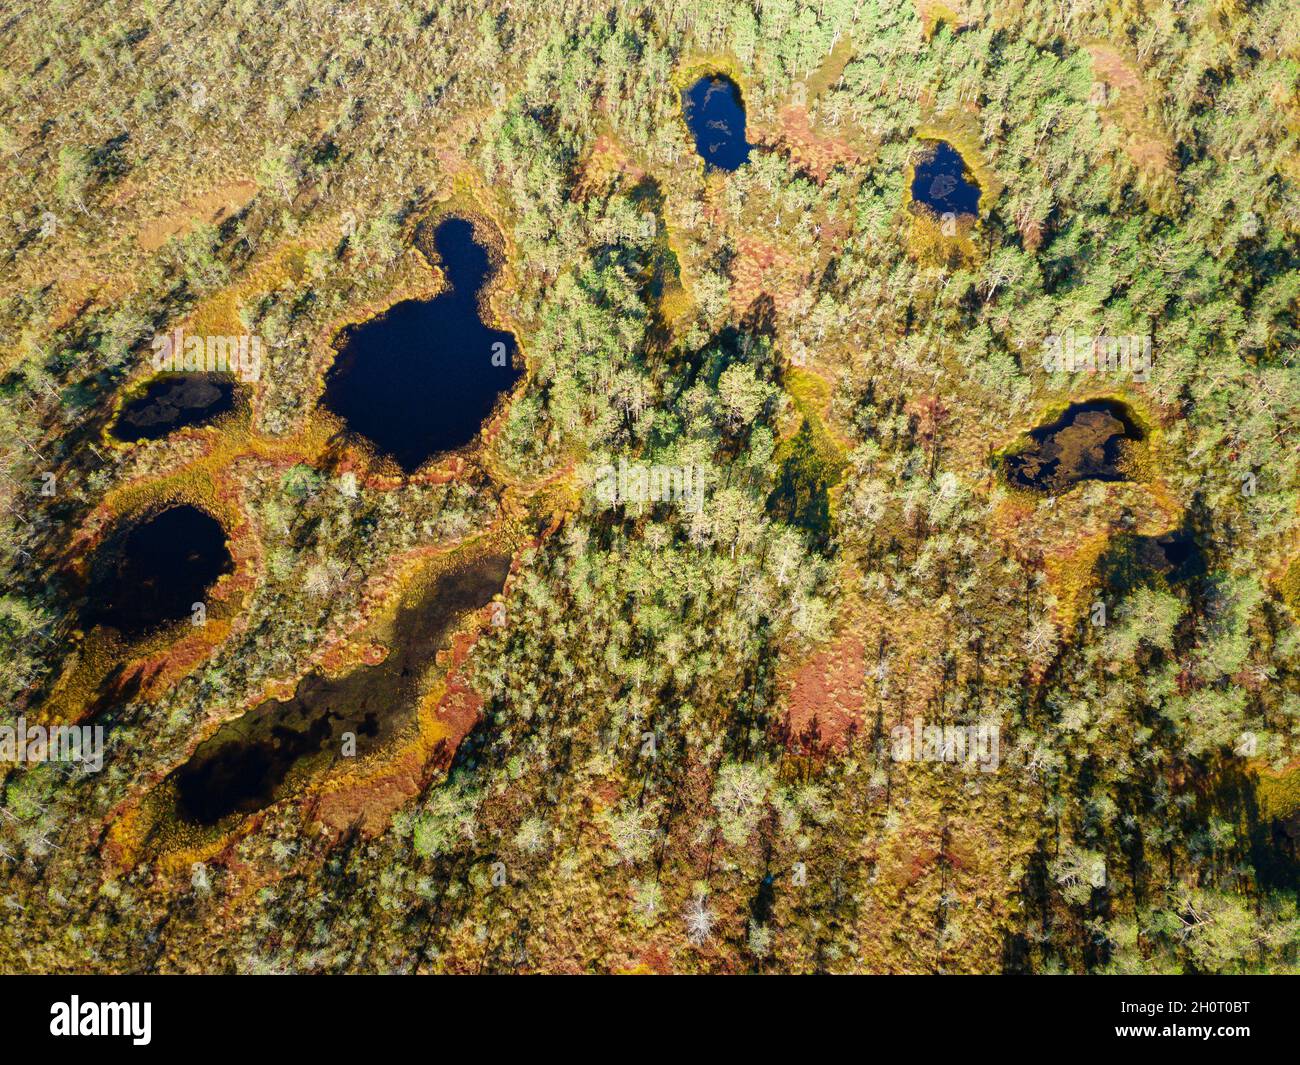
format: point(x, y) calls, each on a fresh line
point(825, 698)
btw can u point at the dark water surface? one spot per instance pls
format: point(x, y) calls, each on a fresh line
point(942, 184)
point(1084, 444)
point(422, 378)
point(1132, 560)
point(173, 401)
point(151, 573)
point(715, 114)
point(244, 765)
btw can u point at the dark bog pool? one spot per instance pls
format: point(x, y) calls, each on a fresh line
point(941, 182)
point(1084, 444)
point(1175, 556)
point(150, 573)
point(422, 378)
point(243, 767)
point(171, 402)
point(715, 114)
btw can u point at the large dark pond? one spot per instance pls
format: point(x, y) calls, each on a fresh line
point(1085, 444)
point(422, 378)
point(149, 574)
point(942, 183)
point(173, 401)
point(715, 114)
point(244, 766)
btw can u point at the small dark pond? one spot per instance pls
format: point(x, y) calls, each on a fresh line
point(1133, 560)
point(150, 573)
point(1084, 444)
point(173, 401)
point(243, 767)
point(422, 378)
point(715, 114)
point(942, 184)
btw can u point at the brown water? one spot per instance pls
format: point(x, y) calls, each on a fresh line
point(1085, 444)
point(247, 764)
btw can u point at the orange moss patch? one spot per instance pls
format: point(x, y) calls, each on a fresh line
point(880, 659)
point(1122, 107)
point(80, 291)
point(369, 804)
point(816, 154)
point(1113, 69)
point(456, 706)
point(762, 269)
point(941, 244)
point(1278, 790)
point(1071, 573)
point(213, 207)
point(603, 166)
point(1289, 584)
point(933, 12)
point(346, 654)
point(905, 859)
point(218, 315)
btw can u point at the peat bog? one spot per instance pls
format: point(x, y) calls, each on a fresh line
point(715, 114)
point(1175, 557)
point(942, 183)
point(243, 767)
point(422, 378)
point(1086, 443)
point(150, 573)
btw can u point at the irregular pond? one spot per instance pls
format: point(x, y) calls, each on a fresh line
point(422, 378)
point(1176, 555)
point(1086, 443)
point(173, 401)
point(942, 183)
point(1132, 560)
point(244, 766)
point(715, 114)
point(150, 573)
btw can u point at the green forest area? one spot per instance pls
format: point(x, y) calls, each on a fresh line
point(598, 727)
